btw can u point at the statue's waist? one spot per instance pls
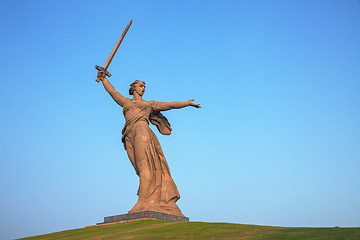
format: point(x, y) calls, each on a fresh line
point(137, 120)
point(135, 123)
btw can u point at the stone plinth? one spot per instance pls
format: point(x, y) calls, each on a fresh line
point(144, 214)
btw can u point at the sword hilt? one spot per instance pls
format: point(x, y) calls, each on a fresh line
point(101, 69)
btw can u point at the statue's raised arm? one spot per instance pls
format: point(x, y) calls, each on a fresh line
point(118, 98)
point(102, 71)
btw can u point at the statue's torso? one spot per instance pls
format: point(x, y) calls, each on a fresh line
point(136, 109)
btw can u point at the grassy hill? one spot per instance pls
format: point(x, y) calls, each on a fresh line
point(154, 229)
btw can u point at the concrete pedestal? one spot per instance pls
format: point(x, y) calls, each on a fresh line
point(144, 214)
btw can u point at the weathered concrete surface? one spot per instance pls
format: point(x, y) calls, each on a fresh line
point(144, 214)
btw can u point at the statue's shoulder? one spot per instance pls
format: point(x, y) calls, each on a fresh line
point(127, 104)
point(152, 103)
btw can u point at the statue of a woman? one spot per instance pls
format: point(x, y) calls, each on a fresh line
point(157, 190)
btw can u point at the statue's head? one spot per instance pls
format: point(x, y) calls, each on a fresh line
point(138, 86)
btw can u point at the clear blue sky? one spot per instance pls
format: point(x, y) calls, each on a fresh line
point(276, 142)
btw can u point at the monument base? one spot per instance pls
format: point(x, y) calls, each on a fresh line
point(144, 214)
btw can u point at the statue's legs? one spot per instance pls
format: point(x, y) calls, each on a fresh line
point(140, 158)
point(154, 177)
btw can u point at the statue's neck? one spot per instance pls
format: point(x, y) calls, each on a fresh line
point(137, 97)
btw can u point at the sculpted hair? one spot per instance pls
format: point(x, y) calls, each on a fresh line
point(132, 86)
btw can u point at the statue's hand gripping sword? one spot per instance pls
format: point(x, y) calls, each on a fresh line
point(108, 61)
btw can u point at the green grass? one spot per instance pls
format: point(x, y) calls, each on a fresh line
point(154, 229)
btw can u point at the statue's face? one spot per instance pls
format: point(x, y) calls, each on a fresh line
point(140, 88)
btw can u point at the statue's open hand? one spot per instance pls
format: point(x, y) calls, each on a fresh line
point(193, 104)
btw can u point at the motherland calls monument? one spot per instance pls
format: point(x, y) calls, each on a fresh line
point(157, 193)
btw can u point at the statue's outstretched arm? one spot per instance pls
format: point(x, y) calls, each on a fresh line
point(118, 98)
point(164, 106)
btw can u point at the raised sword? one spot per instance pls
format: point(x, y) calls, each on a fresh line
point(108, 61)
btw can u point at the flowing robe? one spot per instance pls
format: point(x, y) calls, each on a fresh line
point(157, 190)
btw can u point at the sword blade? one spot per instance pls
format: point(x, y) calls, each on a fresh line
point(110, 58)
point(112, 54)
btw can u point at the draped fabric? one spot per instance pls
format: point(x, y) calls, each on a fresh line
point(157, 190)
